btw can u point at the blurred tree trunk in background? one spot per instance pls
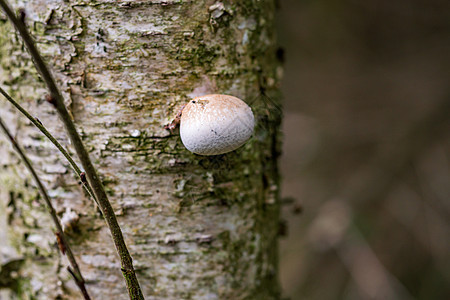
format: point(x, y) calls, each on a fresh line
point(367, 149)
point(197, 227)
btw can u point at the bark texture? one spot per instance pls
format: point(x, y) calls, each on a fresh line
point(197, 227)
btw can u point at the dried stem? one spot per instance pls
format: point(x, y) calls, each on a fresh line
point(176, 121)
point(60, 233)
point(61, 149)
point(57, 100)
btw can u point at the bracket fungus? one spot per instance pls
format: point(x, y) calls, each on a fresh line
point(215, 124)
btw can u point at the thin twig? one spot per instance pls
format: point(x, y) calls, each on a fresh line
point(79, 284)
point(57, 100)
point(60, 233)
point(52, 139)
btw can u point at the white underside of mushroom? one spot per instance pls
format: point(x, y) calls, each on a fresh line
point(216, 124)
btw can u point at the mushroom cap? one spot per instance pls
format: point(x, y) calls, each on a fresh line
point(216, 124)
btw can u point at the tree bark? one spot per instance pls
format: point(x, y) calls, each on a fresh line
point(197, 227)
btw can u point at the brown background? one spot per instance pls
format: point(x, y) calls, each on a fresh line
point(366, 149)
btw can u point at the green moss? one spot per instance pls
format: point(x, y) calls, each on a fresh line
point(24, 289)
point(239, 181)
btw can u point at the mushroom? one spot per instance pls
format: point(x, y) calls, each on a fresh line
point(215, 124)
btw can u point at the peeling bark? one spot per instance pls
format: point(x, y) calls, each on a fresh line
point(197, 227)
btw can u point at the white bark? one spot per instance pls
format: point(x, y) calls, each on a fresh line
point(197, 227)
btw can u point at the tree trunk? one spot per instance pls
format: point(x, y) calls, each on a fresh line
point(197, 227)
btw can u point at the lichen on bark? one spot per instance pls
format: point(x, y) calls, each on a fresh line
point(197, 227)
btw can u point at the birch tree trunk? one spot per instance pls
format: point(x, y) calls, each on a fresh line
point(197, 227)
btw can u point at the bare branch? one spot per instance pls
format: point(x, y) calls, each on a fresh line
point(52, 139)
point(57, 100)
point(61, 238)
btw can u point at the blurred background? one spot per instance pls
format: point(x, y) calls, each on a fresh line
point(366, 162)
